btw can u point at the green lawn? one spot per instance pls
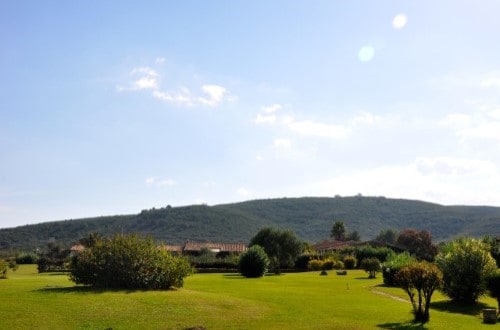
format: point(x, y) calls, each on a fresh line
point(218, 301)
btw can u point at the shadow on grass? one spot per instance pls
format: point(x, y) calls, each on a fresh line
point(402, 325)
point(79, 289)
point(452, 307)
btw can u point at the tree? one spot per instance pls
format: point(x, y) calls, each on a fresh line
point(423, 279)
point(129, 262)
point(418, 243)
point(494, 243)
point(281, 246)
point(353, 236)
point(53, 259)
point(493, 285)
point(338, 231)
point(253, 262)
point(371, 266)
point(465, 263)
point(387, 236)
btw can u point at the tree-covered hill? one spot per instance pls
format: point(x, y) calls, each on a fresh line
point(310, 217)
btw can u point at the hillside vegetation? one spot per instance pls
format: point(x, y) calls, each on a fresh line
point(310, 217)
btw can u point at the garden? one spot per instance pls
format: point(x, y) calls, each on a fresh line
point(225, 301)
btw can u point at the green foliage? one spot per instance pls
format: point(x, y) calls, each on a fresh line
point(211, 260)
point(239, 221)
point(302, 261)
point(366, 251)
point(338, 231)
point(315, 264)
point(465, 263)
point(353, 236)
point(4, 267)
point(129, 262)
point(423, 279)
point(350, 262)
point(371, 266)
point(25, 258)
point(281, 246)
point(418, 243)
point(393, 264)
point(253, 262)
point(387, 236)
point(298, 300)
point(54, 259)
point(494, 243)
point(493, 285)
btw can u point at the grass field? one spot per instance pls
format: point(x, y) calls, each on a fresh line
point(223, 301)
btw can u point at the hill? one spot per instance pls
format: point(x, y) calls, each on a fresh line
point(310, 217)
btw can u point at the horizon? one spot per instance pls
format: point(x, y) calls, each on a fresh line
point(241, 201)
point(113, 107)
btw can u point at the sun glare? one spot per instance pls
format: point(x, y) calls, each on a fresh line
point(399, 21)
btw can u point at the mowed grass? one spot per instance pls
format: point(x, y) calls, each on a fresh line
point(223, 301)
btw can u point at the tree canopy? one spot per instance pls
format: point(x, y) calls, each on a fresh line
point(418, 243)
point(281, 246)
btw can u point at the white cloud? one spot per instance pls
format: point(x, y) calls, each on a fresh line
point(146, 83)
point(272, 108)
point(452, 166)
point(154, 181)
point(445, 180)
point(160, 60)
point(146, 78)
point(265, 119)
point(215, 94)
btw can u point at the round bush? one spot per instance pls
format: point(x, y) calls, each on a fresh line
point(253, 262)
point(314, 264)
point(371, 266)
point(350, 262)
point(465, 263)
point(129, 262)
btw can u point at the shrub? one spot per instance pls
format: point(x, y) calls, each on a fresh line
point(366, 252)
point(315, 265)
point(54, 259)
point(25, 258)
point(350, 262)
point(328, 264)
point(393, 264)
point(210, 260)
point(3, 269)
point(303, 260)
point(129, 262)
point(493, 285)
point(371, 266)
point(253, 262)
point(423, 279)
point(338, 265)
point(465, 263)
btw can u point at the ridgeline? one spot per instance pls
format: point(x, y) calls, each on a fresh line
point(310, 218)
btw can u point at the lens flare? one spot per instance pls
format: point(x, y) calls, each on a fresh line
point(366, 53)
point(399, 21)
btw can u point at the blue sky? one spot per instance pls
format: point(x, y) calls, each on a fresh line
point(111, 107)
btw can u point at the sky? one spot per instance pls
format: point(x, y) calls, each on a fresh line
point(112, 107)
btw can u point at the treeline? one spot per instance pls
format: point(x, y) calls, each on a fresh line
point(307, 217)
